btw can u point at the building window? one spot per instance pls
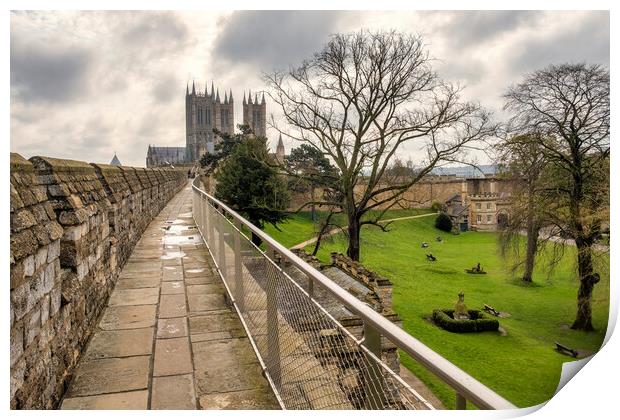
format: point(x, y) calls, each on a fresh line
point(488, 206)
point(477, 206)
point(489, 218)
point(255, 119)
point(479, 218)
point(208, 111)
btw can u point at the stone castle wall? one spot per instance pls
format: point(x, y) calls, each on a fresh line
point(436, 189)
point(73, 227)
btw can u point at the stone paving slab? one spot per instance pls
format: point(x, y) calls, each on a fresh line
point(128, 317)
point(173, 288)
point(173, 393)
point(168, 339)
point(131, 297)
point(134, 400)
point(172, 328)
point(172, 357)
point(104, 376)
point(137, 283)
point(121, 343)
point(172, 306)
point(251, 399)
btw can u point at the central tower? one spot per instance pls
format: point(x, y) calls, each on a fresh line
point(203, 113)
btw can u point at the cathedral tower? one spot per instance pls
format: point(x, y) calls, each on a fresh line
point(255, 114)
point(205, 111)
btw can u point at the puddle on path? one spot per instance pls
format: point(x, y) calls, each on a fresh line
point(195, 270)
point(182, 240)
point(171, 255)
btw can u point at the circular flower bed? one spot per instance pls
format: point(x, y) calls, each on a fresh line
point(477, 322)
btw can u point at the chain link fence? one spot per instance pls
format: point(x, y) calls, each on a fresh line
point(310, 360)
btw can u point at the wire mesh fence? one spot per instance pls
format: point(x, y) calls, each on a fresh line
point(310, 359)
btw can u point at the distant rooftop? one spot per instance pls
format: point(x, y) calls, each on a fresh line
point(479, 171)
point(115, 161)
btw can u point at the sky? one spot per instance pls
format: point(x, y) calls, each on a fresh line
point(85, 85)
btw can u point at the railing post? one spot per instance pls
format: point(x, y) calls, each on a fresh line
point(239, 292)
point(372, 377)
point(461, 402)
point(273, 339)
point(210, 222)
point(222, 245)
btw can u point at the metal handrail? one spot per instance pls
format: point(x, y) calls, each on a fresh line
point(466, 387)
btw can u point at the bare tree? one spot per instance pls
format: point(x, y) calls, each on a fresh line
point(567, 106)
point(525, 166)
point(361, 98)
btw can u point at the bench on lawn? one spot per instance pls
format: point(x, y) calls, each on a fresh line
point(490, 310)
point(566, 350)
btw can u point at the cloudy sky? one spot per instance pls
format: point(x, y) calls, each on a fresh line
point(84, 85)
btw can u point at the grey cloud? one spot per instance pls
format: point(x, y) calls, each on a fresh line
point(48, 73)
point(166, 89)
point(475, 27)
point(587, 42)
point(274, 39)
point(163, 30)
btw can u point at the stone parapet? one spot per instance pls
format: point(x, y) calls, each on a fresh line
point(73, 227)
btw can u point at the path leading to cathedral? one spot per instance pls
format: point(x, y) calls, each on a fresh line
point(168, 339)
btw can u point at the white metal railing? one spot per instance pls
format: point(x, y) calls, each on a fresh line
point(308, 357)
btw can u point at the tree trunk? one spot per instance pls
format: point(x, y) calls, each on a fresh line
point(587, 279)
point(353, 251)
point(532, 236)
point(312, 207)
point(530, 255)
point(255, 239)
point(323, 231)
point(531, 249)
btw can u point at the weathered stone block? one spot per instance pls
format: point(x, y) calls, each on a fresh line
point(73, 233)
point(41, 233)
point(53, 251)
point(17, 274)
point(45, 309)
point(40, 257)
point(49, 279)
point(33, 326)
point(19, 300)
point(22, 219)
point(17, 343)
point(55, 300)
point(29, 265)
point(17, 376)
point(23, 244)
point(58, 190)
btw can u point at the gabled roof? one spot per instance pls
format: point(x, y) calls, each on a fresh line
point(457, 210)
point(455, 197)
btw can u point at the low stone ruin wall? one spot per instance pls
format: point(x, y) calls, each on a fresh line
point(379, 297)
point(73, 227)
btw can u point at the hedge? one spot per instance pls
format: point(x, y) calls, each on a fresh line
point(477, 322)
point(443, 222)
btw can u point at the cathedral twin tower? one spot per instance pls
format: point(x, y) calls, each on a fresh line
point(207, 111)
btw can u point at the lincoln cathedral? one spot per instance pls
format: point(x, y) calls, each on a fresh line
point(204, 112)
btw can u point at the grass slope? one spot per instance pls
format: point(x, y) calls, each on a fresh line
point(522, 366)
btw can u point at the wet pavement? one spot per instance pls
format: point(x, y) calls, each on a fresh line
point(168, 338)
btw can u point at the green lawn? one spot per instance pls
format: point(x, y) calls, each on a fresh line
point(299, 227)
point(522, 366)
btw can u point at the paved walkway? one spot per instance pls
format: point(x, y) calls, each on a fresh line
point(337, 230)
point(168, 339)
